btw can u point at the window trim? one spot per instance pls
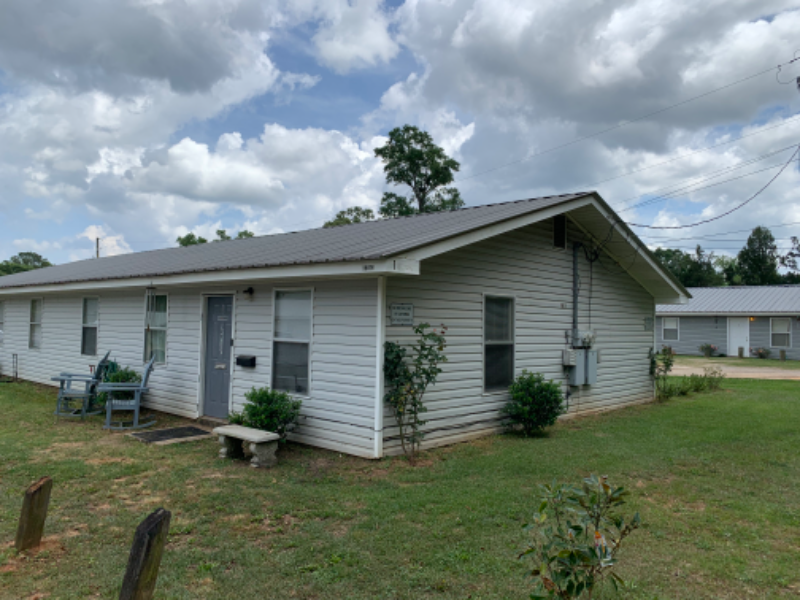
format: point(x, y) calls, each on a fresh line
point(771, 345)
point(165, 328)
point(96, 325)
point(2, 321)
point(677, 328)
point(484, 343)
point(309, 342)
point(31, 323)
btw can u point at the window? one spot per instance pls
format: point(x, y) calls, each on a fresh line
point(781, 333)
point(291, 340)
point(670, 331)
point(560, 231)
point(89, 333)
point(155, 328)
point(2, 322)
point(498, 339)
point(35, 336)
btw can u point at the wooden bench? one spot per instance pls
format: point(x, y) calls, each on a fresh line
point(263, 444)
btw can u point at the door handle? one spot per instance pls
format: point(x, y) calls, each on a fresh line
point(221, 366)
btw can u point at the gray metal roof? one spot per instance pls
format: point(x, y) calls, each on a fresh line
point(743, 300)
point(364, 241)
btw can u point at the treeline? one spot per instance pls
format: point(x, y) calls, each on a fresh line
point(757, 263)
point(24, 261)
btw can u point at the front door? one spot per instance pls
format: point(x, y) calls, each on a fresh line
point(219, 322)
point(738, 335)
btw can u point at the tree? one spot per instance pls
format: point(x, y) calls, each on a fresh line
point(24, 261)
point(692, 270)
point(729, 267)
point(411, 158)
point(354, 214)
point(759, 259)
point(190, 239)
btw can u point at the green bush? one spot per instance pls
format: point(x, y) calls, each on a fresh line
point(760, 352)
point(115, 374)
point(535, 403)
point(576, 535)
point(268, 410)
point(714, 378)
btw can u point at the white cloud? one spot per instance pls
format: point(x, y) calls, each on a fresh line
point(110, 245)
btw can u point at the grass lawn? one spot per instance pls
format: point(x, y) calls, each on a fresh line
point(716, 478)
point(732, 361)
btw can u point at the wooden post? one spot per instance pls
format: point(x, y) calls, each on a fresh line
point(741, 352)
point(783, 355)
point(145, 556)
point(33, 515)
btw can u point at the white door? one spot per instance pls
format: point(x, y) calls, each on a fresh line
point(738, 335)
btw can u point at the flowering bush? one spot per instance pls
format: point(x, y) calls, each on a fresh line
point(708, 350)
point(760, 352)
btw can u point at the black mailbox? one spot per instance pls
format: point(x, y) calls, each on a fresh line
point(246, 360)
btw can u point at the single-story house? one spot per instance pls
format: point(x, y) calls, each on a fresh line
point(309, 312)
point(735, 317)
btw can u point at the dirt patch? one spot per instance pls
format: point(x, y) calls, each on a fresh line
point(109, 461)
point(51, 547)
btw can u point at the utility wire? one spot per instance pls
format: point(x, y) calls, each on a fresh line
point(630, 122)
point(708, 235)
point(726, 213)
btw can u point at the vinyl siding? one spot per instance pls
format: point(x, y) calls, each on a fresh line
point(695, 331)
point(760, 337)
point(338, 414)
point(522, 264)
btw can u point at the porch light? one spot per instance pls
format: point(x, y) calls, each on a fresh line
point(249, 293)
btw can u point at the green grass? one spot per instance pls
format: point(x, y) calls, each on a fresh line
point(730, 361)
point(716, 478)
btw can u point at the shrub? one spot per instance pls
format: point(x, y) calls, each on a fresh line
point(708, 350)
point(408, 377)
point(268, 410)
point(535, 403)
point(577, 534)
point(660, 366)
point(714, 377)
point(760, 352)
point(115, 374)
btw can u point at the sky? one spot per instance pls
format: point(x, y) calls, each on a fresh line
point(136, 121)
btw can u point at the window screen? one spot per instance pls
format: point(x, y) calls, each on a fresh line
point(35, 334)
point(89, 332)
point(670, 331)
point(781, 333)
point(290, 347)
point(498, 335)
point(155, 328)
point(560, 231)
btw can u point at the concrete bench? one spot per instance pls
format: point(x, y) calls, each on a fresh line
point(263, 444)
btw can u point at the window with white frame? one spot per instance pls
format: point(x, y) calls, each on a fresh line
point(291, 341)
point(35, 332)
point(89, 331)
point(670, 329)
point(2, 321)
point(498, 340)
point(155, 328)
point(781, 333)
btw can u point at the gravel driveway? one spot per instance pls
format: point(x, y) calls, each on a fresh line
point(736, 372)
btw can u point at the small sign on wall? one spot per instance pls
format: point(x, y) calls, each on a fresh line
point(401, 314)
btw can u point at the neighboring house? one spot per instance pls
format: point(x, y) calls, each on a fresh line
point(309, 313)
point(732, 318)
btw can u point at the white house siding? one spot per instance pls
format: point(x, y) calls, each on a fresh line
point(523, 264)
point(760, 337)
point(694, 332)
point(338, 415)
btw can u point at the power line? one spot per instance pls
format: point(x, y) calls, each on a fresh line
point(726, 213)
point(723, 232)
point(626, 123)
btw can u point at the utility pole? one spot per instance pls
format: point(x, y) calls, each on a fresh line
point(97, 247)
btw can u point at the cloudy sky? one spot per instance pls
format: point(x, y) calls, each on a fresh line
point(139, 120)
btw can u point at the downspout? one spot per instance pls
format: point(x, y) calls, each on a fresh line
point(575, 250)
point(380, 338)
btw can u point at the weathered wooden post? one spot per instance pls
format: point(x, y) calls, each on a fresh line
point(741, 352)
point(783, 355)
point(145, 557)
point(33, 515)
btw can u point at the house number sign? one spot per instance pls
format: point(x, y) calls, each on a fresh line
point(401, 314)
